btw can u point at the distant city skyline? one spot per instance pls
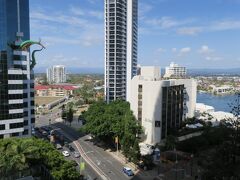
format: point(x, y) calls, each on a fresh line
point(195, 34)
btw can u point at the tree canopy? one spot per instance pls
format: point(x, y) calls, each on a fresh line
point(17, 155)
point(108, 121)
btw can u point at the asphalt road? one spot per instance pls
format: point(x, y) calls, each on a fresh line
point(99, 163)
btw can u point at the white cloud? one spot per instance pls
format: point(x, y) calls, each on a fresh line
point(205, 50)
point(220, 25)
point(189, 30)
point(57, 18)
point(143, 9)
point(213, 58)
point(174, 50)
point(225, 25)
point(76, 11)
point(167, 22)
point(93, 1)
point(97, 14)
point(161, 50)
point(184, 51)
point(87, 40)
point(209, 54)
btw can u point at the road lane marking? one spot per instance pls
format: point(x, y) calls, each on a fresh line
point(89, 161)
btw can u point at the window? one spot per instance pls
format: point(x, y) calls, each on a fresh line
point(15, 134)
point(157, 124)
point(16, 125)
point(33, 120)
point(25, 132)
point(25, 123)
point(2, 127)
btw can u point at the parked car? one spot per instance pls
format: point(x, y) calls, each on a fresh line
point(36, 129)
point(66, 153)
point(76, 154)
point(58, 146)
point(44, 133)
point(33, 131)
point(70, 148)
point(128, 171)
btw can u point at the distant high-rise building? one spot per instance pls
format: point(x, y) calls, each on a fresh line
point(161, 105)
point(16, 78)
point(121, 25)
point(56, 74)
point(175, 71)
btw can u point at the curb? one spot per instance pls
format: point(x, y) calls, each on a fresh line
point(120, 159)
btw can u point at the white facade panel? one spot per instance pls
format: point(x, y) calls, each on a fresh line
point(15, 111)
point(20, 62)
point(17, 91)
point(15, 101)
point(15, 81)
point(15, 71)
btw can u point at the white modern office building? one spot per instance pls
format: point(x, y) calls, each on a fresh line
point(121, 23)
point(175, 71)
point(161, 105)
point(56, 74)
point(16, 77)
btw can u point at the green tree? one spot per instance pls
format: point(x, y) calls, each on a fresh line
point(107, 121)
point(18, 155)
point(171, 142)
point(70, 115)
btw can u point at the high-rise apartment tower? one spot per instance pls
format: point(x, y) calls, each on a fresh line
point(16, 77)
point(56, 74)
point(121, 22)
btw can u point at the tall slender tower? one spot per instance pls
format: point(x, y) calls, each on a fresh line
point(16, 77)
point(121, 22)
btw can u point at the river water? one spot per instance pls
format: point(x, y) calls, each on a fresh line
point(220, 103)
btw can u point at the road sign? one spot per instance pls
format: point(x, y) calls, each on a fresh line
point(82, 166)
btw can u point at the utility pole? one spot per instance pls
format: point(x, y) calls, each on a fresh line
point(116, 141)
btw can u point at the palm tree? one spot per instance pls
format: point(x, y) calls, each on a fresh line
point(13, 159)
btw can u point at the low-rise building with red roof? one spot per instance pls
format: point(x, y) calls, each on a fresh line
point(54, 90)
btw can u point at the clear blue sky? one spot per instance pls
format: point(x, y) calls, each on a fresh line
point(193, 33)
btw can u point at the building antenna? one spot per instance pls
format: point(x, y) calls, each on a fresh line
point(18, 14)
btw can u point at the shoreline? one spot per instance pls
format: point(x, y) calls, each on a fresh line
point(214, 94)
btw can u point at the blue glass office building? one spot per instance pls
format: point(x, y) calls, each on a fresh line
point(16, 78)
point(9, 21)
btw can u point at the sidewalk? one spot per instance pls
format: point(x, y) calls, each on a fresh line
point(121, 158)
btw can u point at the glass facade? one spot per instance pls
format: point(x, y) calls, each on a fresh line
point(3, 86)
point(15, 77)
point(9, 21)
point(172, 108)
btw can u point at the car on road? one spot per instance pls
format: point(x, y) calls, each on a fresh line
point(58, 146)
point(76, 154)
point(44, 133)
point(33, 131)
point(66, 153)
point(128, 171)
point(36, 128)
point(70, 147)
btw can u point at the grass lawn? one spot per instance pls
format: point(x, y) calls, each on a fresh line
point(45, 100)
